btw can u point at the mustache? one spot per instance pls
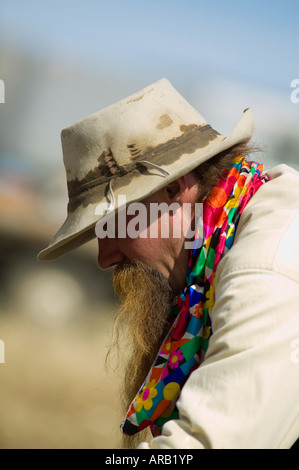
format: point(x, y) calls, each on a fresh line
point(134, 275)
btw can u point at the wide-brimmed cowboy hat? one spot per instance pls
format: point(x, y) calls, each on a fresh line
point(132, 148)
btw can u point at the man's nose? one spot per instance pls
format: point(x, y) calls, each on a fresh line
point(109, 253)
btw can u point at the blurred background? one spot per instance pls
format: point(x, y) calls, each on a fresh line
point(63, 60)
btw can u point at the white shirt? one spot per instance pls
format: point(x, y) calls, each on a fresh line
point(245, 395)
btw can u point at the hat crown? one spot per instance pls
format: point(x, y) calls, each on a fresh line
point(128, 130)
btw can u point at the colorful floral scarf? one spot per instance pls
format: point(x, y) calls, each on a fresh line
point(184, 347)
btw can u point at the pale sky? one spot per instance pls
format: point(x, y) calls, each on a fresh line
point(256, 40)
point(74, 58)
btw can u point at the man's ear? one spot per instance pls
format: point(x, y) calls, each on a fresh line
point(175, 189)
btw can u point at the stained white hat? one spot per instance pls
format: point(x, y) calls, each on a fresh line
point(134, 147)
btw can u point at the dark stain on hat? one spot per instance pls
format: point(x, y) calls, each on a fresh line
point(134, 151)
point(95, 189)
point(193, 137)
point(165, 121)
point(138, 98)
point(191, 127)
point(100, 174)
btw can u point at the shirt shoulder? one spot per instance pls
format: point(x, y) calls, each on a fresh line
point(267, 234)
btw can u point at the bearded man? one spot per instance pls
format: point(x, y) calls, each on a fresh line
point(209, 315)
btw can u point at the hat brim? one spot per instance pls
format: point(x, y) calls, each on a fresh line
point(79, 226)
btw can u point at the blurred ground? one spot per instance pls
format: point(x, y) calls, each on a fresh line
point(55, 322)
point(55, 391)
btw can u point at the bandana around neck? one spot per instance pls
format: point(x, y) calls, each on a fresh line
point(184, 348)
